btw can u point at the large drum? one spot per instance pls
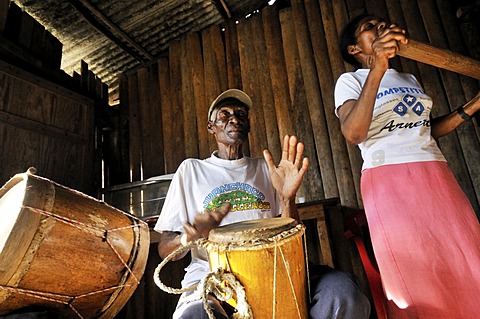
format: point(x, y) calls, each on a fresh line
point(65, 252)
point(267, 256)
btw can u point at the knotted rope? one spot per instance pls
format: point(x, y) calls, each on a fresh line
point(213, 282)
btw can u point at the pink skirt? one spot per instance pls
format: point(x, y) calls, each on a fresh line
point(426, 239)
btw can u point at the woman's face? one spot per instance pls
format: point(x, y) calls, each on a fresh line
point(368, 30)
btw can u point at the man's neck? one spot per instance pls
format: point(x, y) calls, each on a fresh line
point(230, 152)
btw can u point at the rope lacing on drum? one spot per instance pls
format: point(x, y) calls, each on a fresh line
point(97, 232)
point(90, 228)
point(67, 301)
point(213, 282)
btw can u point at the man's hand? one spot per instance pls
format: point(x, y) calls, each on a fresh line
point(205, 222)
point(288, 175)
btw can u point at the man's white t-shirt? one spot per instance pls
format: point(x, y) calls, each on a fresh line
point(400, 128)
point(203, 184)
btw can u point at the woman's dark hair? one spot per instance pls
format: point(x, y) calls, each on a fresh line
point(348, 37)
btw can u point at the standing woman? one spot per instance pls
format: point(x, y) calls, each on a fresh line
point(425, 234)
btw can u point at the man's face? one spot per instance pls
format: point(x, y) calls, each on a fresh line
point(230, 124)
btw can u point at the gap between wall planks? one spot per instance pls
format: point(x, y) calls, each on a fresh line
point(167, 117)
point(214, 69)
point(290, 70)
point(251, 85)
point(198, 115)
point(330, 65)
point(178, 132)
point(274, 141)
point(300, 110)
point(320, 91)
point(187, 90)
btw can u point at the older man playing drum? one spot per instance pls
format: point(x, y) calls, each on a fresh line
point(191, 209)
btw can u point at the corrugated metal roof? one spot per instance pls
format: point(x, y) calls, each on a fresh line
point(114, 36)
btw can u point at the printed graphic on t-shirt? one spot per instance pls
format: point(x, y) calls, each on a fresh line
point(409, 101)
point(408, 107)
point(241, 196)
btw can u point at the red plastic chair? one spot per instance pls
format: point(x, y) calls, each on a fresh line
point(353, 224)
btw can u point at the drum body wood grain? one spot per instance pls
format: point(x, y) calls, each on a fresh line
point(267, 257)
point(66, 252)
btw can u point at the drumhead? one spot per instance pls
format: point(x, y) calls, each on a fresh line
point(10, 207)
point(252, 230)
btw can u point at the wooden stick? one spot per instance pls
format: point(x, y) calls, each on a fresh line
point(441, 58)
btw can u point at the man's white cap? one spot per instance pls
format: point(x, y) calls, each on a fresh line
point(231, 94)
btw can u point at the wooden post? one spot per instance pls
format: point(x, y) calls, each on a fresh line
point(157, 166)
point(215, 72)
point(312, 117)
point(134, 128)
point(274, 141)
point(143, 118)
point(167, 114)
point(196, 73)
point(231, 54)
point(251, 85)
point(278, 71)
point(123, 162)
point(188, 95)
point(324, 37)
point(178, 138)
point(311, 188)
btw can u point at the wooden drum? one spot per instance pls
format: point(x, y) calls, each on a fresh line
point(65, 252)
point(267, 256)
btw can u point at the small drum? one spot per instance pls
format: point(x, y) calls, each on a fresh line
point(267, 256)
point(65, 252)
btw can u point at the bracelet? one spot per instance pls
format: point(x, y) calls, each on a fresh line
point(463, 115)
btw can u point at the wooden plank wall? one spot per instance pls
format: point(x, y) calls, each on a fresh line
point(288, 60)
point(45, 126)
point(47, 117)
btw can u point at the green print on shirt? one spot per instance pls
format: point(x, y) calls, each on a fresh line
point(240, 200)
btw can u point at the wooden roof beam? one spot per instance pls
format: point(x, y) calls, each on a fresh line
point(222, 8)
point(110, 30)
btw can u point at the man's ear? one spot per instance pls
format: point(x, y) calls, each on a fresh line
point(210, 127)
point(353, 49)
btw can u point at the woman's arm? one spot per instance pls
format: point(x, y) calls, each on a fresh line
point(356, 115)
point(446, 124)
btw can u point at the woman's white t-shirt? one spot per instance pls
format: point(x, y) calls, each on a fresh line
point(400, 128)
